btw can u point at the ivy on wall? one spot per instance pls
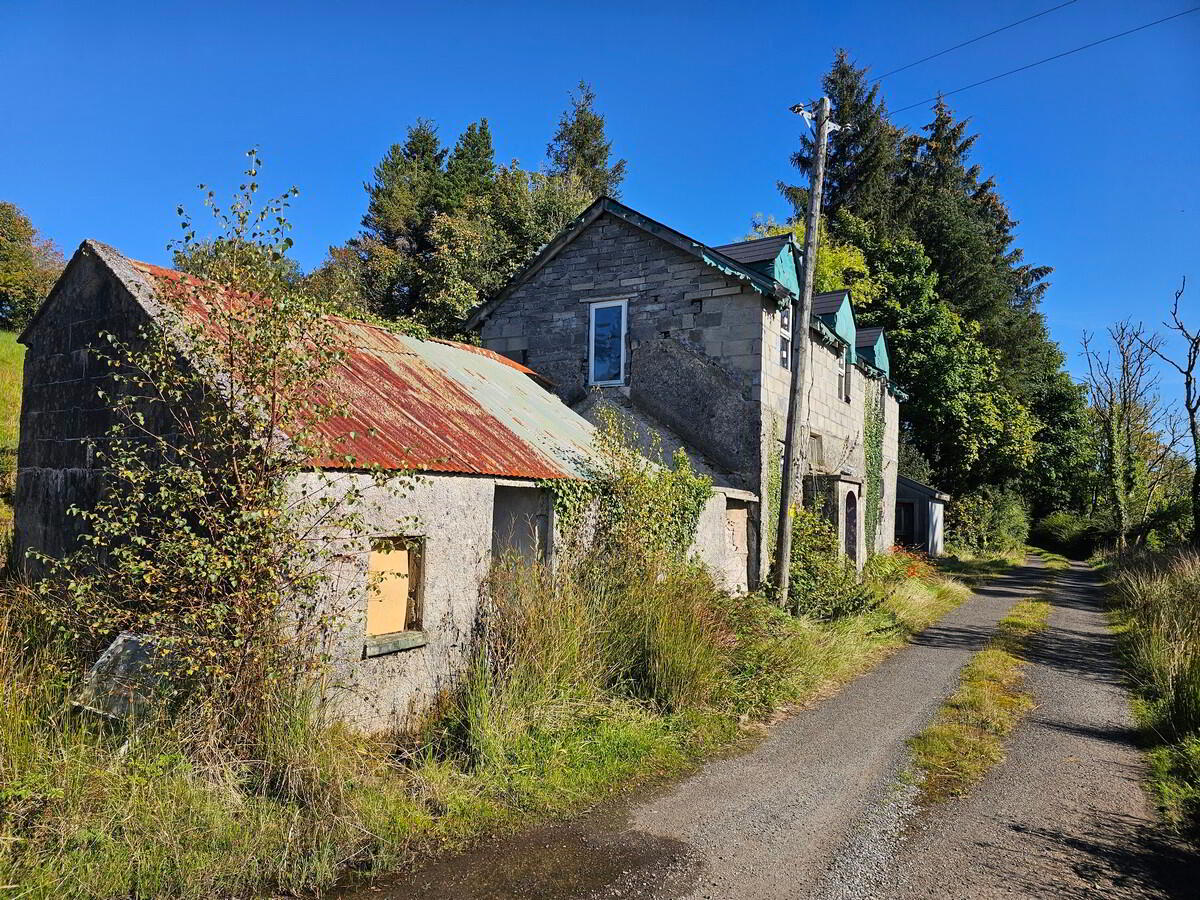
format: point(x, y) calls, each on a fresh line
point(634, 499)
point(873, 427)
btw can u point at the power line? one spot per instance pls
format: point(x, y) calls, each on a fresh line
point(971, 41)
point(1112, 37)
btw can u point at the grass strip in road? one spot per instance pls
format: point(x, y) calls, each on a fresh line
point(967, 736)
point(1055, 562)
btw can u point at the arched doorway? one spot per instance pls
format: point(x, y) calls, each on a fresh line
point(852, 527)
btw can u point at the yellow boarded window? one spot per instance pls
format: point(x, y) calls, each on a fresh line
point(394, 586)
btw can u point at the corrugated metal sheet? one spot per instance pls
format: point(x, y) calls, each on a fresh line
point(443, 407)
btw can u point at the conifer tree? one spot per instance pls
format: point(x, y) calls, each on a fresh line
point(581, 148)
point(861, 161)
point(471, 168)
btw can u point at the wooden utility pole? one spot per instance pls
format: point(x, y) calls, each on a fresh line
point(795, 446)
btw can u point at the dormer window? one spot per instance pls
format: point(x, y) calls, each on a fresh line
point(606, 342)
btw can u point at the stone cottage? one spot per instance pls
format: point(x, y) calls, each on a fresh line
point(482, 431)
point(695, 341)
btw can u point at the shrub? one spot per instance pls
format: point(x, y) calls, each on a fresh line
point(989, 520)
point(823, 584)
point(1070, 534)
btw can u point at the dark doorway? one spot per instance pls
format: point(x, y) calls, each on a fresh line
point(906, 530)
point(852, 527)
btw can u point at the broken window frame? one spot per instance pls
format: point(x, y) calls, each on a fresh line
point(412, 634)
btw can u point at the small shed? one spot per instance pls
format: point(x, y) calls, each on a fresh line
point(920, 516)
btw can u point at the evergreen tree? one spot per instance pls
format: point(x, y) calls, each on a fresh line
point(471, 167)
point(580, 147)
point(861, 160)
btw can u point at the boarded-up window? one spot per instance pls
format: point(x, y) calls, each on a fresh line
point(394, 585)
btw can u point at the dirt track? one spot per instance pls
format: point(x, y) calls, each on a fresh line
point(820, 808)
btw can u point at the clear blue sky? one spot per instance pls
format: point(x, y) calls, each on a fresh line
point(111, 113)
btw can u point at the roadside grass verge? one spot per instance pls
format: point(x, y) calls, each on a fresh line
point(967, 736)
point(1156, 615)
point(590, 680)
point(975, 568)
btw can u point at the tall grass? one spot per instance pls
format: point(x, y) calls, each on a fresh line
point(586, 678)
point(1158, 604)
point(12, 355)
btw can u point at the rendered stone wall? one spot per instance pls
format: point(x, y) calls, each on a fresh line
point(453, 514)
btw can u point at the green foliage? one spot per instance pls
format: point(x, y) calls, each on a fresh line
point(912, 462)
point(581, 148)
point(1076, 535)
point(927, 244)
point(29, 266)
point(989, 520)
point(444, 231)
point(873, 427)
point(1157, 601)
point(823, 584)
point(862, 161)
point(633, 503)
point(12, 356)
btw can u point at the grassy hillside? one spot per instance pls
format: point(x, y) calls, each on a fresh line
point(11, 356)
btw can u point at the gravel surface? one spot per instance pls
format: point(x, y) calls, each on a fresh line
point(821, 808)
point(1065, 815)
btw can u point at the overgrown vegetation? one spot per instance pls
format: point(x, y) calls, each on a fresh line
point(624, 661)
point(12, 356)
point(987, 521)
point(1157, 611)
point(967, 736)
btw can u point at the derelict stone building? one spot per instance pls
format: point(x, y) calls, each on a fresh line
point(695, 341)
point(483, 433)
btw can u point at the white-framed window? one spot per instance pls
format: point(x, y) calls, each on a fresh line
point(785, 352)
point(607, 324)
point(844, 369)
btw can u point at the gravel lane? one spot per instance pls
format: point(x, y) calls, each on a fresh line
point(764, 824)
point(1065, 815)
point(821, 808)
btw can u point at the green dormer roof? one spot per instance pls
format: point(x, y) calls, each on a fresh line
point(834, 310)
point(777, 257)
point(872, 347)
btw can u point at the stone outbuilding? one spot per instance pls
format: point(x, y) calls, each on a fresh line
point(484, 434)
point(696, 341)
point(920, 516)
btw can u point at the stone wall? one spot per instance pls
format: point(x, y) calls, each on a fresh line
point(891, 469)
point(62, 415)
point(693, 334)
point(453, 514)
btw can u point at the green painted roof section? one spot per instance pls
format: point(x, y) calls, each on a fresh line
point(834, 310)
point(872, 346)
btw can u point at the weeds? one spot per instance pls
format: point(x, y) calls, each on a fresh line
point(1157, 611)
point(967, 736)
point(590, 681)
point(976, 567)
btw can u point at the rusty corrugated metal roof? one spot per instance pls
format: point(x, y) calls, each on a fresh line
point(440, 406)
